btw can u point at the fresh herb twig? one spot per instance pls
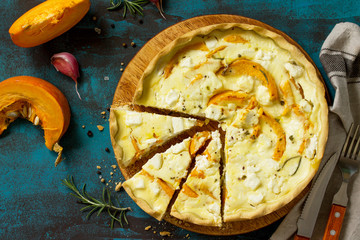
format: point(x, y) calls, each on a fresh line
point(134, 6)
point(116, 213)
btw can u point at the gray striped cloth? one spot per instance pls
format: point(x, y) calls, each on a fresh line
point(340, 57)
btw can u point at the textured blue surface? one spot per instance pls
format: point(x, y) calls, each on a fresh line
point(33, 203)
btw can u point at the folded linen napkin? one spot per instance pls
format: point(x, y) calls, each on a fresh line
point(340, 56)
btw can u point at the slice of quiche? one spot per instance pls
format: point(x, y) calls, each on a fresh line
point(133, 133)
point(199, 200)
point(153, 187)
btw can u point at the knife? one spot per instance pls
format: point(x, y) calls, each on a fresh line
point(307, 219)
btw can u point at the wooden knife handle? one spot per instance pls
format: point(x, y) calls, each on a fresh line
point(297, 237)
point(333, 226)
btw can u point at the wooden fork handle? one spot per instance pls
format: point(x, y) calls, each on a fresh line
point(333, 226)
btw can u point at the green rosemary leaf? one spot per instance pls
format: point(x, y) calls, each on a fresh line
point(114, 5)
point(91, 212)
point(86, 208)
point(97, 205)
point(100, 210)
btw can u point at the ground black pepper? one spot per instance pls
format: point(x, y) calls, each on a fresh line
point(107, 149)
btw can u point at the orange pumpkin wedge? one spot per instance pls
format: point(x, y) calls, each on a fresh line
point(229, 96)
point(47, 21)
point(246, 67)
point(38, 101)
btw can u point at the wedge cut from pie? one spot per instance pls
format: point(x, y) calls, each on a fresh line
point(153, 187)
point(199, 200)
point(134, 133)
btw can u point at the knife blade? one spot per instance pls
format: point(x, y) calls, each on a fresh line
point(310, 211)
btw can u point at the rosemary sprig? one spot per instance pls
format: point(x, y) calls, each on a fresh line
point(116, 213)
point(134, 6)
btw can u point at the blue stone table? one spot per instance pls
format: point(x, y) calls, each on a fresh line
point(33, 203)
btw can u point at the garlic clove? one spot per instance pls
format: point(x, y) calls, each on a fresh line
point(67, 64)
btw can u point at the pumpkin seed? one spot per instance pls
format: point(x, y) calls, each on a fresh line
point(12, 114)
point(36, 121)
point(24, 111)
point(29, 112)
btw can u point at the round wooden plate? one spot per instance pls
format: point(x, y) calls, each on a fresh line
point(127, 86)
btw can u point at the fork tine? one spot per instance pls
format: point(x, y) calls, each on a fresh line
point(349, 151)
point(345, 146)
point(356, 148)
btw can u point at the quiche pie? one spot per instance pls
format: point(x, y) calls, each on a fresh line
point(135, 133)
point(266, 96)
point(153, 187)
point(199, 200)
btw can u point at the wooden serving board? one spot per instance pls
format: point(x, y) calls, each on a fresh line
point(126, 89)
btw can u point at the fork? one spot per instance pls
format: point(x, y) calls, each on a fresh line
point(348, 165)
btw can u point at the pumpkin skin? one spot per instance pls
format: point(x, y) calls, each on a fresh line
point(38, 101)
point(47, 21)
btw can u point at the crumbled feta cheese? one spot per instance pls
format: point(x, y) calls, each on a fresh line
point(186, 62)
point(305, 105)
point(271, 164)
point(245, 83)
point(255, 198)
point(140, 184)
point(155, 188)
point(202, 162)
point(172, 97)
point(178, 124)
point(265, 56)
point(178, 148)
point(252, 181)
point(295, 71)
point(211, 42)
point(262, 95)
point(133, 118)
point(213, 112)
point(150, 141)
point(156, 161)
point(311, 148)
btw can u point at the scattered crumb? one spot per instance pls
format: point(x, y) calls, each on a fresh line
point(107, 184)
point(97, 30)
point(147, 228)
point(103, 113)
point(100, 127)
point(111, 173)
point(98, 167)
point(106, 78)
point(121, 69)
point(102, 180)
point(165, 233)
point(118, 186)
point(154, 232)
point(94, 18)
point(124, 45)
point(109, 180)
point(113, 166)
point(187, 235)
point(133, 44)
point(103, 117)
point(83, 126)
point(122, 64)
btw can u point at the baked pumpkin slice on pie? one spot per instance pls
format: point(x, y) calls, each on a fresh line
point(134, 133)
point(199, 200)
point(153, 187)
point(268, 98)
